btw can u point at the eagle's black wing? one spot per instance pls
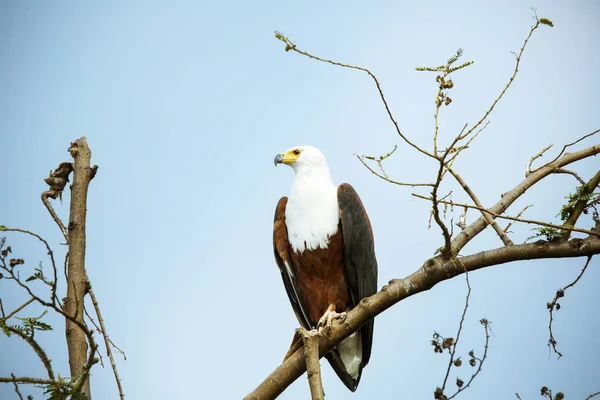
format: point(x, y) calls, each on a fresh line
point(361, 265)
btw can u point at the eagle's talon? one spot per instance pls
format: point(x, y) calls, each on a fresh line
point(325, 322)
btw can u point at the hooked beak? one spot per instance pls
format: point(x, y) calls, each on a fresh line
point(278, 159)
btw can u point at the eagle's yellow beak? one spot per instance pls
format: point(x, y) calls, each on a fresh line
point(289, 157)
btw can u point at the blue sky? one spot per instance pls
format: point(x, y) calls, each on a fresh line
point(185, 104)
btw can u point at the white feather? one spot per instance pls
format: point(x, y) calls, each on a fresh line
point(312, 211)
point(350, 350)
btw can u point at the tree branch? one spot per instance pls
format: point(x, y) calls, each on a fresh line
point(554, 305)
point(464, 237)
point(526, 221)
point(587, 189)
point(292, 46)
point(107, 343)
point(489, 220)
point(313, 368)
point(433, 271)
point(77, 282)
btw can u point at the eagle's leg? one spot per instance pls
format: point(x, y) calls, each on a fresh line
point(327, 318)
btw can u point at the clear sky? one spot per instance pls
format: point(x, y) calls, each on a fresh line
point(185, 104)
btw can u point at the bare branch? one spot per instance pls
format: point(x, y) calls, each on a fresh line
point(16, 385)
point(292, 46)
point(16, 310)
point(554, 305)
point(518, 216)
point(511, 196)
point(77, 278)
point(107, 344)
point(313, 368)
point(432, 272)
point(592, 395)
point(510, 81)
point(490, 221)
point(566, 171)
point(532, 159)
point(486, 326)
point(460, 326)
point(565, 147)
point(385, 178)
point(527, 221)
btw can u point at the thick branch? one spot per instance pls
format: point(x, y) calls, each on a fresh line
point(432, 272)
point(77, 282)
point(508, 198)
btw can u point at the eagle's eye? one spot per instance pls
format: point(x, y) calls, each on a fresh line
point(296, 152)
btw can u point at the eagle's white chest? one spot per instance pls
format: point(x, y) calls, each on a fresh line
point(312, 212)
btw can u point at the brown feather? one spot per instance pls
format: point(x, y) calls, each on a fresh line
point(321, 279)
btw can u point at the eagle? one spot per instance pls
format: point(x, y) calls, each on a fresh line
point(323, 245)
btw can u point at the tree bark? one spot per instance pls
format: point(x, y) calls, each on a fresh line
point(77, 281)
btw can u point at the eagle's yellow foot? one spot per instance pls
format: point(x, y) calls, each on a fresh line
point(324, 324)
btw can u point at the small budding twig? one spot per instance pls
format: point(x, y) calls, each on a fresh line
point(451, 362)
point(311, 356)
point(554, 305)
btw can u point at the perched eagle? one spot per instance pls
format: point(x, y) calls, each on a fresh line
point(323, 244)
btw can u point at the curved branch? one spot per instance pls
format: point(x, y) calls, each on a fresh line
point(433, 271)
point(509, 197)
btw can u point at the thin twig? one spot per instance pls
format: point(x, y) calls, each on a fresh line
point(510, 81)
point(554, 305)
point(107, 344)
point(592, 395)
point(490, 221)
point(486, 326)
point(22, 306)
point(518, 215)
point(385, 178)
point(55, 217)
point(565, 147)
point(50, 253)
point(569, 172)
point(292, 46)
point(526, 221)
point(532, 159)
point(460, 326)
point(16, 387)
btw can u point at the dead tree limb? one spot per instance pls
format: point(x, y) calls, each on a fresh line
point(77, 281)
point(310, 340)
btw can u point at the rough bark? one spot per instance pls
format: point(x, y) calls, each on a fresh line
point(77, 281)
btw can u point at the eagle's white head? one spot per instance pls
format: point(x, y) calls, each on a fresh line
point(312, 212)
point(303, 159)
